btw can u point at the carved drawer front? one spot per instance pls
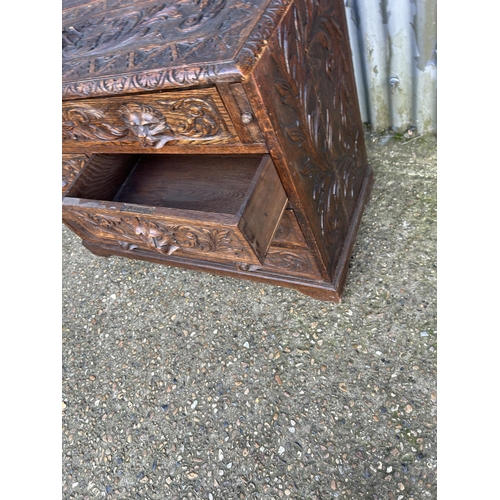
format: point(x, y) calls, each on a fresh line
point(154, 122)
point(221, 208)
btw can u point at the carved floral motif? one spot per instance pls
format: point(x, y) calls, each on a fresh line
point(157, 236)
point(179, 119)
point(146, 123)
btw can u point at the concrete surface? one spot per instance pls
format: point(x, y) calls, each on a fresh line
point(180, 385)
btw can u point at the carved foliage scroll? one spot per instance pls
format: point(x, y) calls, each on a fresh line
point(315, 103)
point(71, 166)
point(154, 123)
point(155, 235)
point(111, 47)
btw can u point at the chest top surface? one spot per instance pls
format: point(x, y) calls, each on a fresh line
point(120, 46)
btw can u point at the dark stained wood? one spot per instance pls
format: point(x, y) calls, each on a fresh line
point(214, 206)
point(71, 166)
point(102, 176)
point(280, 275)
point(149, 122)
point(304, 84)
point(340, 275)
point(85, 148)
point(216, 135)
point(287, 179)
point(247, 112)
point(288, 233)
point(208, 183)
point(261, 213)
point(126, 46)
point(235, 113)
point(159, 230)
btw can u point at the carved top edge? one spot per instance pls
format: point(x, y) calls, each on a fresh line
point(142, 69)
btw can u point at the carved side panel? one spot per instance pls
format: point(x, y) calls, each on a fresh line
point(150, 122)
point(71, 166)
point(305, 81)
point(138, 232)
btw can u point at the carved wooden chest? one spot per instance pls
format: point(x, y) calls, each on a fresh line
point(216, 135)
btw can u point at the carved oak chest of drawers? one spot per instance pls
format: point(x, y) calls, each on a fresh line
point(215, 135)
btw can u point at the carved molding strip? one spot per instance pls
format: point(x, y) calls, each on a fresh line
point(258, 39)
point(155, 124)
point(145, 80)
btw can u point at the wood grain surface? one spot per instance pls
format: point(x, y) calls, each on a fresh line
point(196, 204)
point(126, 46)
point(219, 135)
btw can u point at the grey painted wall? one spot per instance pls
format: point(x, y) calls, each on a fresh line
point(394, 47)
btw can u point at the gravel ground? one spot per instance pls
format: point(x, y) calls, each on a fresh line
point(179, 384)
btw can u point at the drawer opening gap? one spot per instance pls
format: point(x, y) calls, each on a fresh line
point(206, 183)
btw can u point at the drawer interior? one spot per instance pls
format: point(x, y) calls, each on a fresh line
point(208, 183)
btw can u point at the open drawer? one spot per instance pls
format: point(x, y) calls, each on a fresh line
point(222, 208)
